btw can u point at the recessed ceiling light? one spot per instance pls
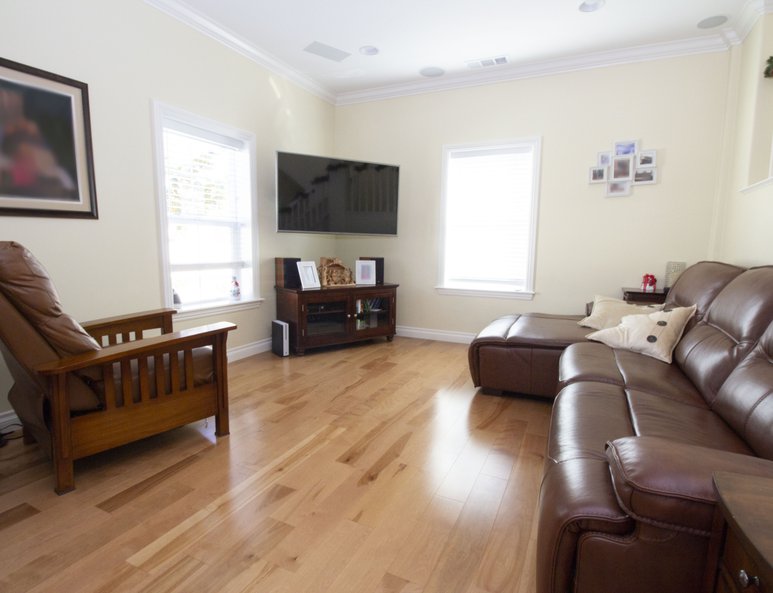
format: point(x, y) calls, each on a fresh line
point(712, 22)
point(592, 5)
point(432, 71)
point(369, 50)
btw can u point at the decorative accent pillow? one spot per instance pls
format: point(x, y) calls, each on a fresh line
point(608, 312)
point(655, 335)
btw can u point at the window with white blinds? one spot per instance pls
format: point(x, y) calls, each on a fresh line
point(490, 198)
point(206, 204)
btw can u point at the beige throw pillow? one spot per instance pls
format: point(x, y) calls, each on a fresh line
point(608, 312)
point(655, 335)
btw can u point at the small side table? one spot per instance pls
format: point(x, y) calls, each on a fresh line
point(637, 295)
point(746, 560)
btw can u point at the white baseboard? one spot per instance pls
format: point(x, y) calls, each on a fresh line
point(252, 349)
point(418, 333)
point(434, 334)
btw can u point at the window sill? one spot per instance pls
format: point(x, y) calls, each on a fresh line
point(522, 295)
point(217, 309)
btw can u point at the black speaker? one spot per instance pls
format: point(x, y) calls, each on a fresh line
point(286, 272)
point(379, 267)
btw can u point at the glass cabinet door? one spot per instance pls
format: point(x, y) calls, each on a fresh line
point(371, 313)
point(326, 318)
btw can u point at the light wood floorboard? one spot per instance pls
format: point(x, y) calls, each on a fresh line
point(376, 468)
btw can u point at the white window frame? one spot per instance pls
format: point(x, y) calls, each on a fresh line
point(527, 292)
point(163, 113)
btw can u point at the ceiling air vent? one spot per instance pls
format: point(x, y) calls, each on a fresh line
point(487, 62)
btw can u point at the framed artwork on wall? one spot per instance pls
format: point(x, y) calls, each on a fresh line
point(645, 176)
point(625, 147)
point(646, 158)
point(46, 156)
point(597, 175)
point(622, 168)
point(618, 189)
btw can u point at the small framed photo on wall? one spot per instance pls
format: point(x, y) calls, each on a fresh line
point(597, 175)
point(622, 168)
point(646, 158)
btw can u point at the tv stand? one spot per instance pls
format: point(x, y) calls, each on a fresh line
point(335, 315)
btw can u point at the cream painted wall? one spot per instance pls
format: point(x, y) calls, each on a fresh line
point(131, 54)
point(747, 211)
point(587, 243)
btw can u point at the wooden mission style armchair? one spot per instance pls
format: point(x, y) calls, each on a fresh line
point(79, 390)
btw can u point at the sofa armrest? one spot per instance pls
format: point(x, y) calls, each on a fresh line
point(669, 484)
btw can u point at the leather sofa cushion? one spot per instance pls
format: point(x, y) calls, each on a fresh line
point(669, 484)
point(698, 285)
point(745, 399)
point(695, 424)
point(26, 284)
point(598, 363)
point(736, 319)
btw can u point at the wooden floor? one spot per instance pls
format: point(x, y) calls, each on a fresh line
point(369, 469)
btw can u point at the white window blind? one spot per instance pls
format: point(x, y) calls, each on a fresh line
point(207, 211)
point(490, 196)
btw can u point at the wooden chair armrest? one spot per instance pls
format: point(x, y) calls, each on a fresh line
point(175, 341)
point(129, 327)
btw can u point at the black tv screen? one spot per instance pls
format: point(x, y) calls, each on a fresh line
point(326, 195)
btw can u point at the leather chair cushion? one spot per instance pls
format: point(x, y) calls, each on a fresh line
point(26, 284)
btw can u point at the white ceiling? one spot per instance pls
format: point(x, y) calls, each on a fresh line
point(537, 37)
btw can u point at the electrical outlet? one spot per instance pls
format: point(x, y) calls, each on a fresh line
point(673, 270)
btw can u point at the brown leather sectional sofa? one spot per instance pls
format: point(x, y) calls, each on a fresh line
point(627, 499)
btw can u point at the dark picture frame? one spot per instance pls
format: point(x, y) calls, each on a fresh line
point(46, 155)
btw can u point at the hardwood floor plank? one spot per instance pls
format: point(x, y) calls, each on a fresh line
point(118, 500)
point(464, 549)
point(17, 514)
point(377, 468)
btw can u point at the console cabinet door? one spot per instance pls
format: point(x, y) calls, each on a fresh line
point(325, 319)
point(374, 313)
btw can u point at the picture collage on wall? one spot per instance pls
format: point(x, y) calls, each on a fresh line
point(624, 167)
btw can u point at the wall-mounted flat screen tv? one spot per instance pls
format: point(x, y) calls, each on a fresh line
point(327, 195)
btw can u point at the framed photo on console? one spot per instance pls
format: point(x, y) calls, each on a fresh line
point(307, 270)
point(365, 272)
point(46, 157)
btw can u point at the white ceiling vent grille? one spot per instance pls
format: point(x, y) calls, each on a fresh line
point(487, 62)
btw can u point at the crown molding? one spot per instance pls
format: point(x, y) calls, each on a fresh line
point(188, 16)
point(750, 13)
point(631, 55)
point(722, 40)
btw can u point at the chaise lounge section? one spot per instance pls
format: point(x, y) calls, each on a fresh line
point(627, 499)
